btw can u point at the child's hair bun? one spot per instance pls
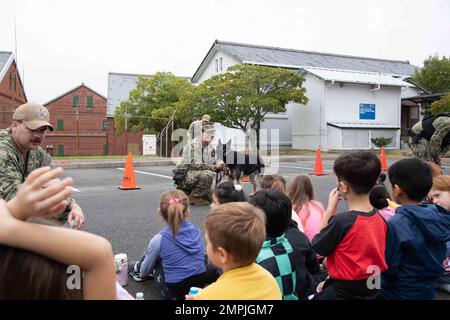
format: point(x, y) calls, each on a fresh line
point(378, 197)
point(237, 188)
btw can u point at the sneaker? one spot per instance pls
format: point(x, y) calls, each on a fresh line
point(133, 271)
point(198, 201)
point(137, 276)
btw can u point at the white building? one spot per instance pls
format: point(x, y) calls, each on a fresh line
point(351, 99)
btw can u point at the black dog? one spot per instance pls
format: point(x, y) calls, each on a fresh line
point(240, 164)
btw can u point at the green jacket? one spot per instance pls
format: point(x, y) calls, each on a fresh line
point(14, 169)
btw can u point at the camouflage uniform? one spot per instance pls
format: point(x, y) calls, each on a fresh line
point(14, 169)
point(434, 149)
point(200, 162)
point(195, 130)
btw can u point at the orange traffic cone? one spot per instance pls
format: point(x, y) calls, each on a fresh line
point(384, 166)
point(318, 169)
point(129, 180)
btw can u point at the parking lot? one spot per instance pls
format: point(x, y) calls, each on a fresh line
point(128, 219)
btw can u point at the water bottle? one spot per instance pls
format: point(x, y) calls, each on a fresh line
point(121, 263)
point(140, 296)
point(193, 291)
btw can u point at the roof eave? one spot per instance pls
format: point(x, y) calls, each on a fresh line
point(6, 67)
point(72, 90)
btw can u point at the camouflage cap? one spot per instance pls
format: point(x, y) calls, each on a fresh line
point(33, 116)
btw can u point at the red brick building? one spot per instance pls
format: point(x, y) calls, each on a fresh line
point(94, 134)
point(12, 93)
point(80, 124)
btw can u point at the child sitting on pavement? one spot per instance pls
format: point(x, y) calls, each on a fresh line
point(286, 253)
point(416, 243)
point(310, 211)
point(353, 241)
point(278, 183)
point(440, 195)
point(228, 192)
point(176, 254)
point(234, 234)
point(37, 254)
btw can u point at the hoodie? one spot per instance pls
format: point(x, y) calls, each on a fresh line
point(183, 256)
point(415, 249)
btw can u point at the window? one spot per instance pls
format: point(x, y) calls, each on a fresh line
point(15, 83)
point(105, 125)
point(10, 81)
point(60, 124)
point(90, 101)
point(60, 150)
point(217, 65)
point(75, 101)
point(220, 64)
point(104, 150)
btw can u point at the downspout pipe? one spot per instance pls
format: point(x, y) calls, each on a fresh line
point(320, 113)
point(378, 85)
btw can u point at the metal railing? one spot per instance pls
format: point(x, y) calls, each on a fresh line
point(164, 138)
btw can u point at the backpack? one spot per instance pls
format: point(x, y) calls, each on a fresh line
point(428, 129)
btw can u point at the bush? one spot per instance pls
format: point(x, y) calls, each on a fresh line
point(381, 141)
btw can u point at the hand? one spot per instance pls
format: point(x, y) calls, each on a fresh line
point(76, 215)
point(220, 166)
point(324, 264)
point(38, 197)
point(333, 201)
point(6, 220)
point(320, 286)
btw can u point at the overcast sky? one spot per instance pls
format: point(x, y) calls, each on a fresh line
point(62, 43)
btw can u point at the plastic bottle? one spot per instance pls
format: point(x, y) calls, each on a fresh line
point(140, 296)
point(193, 290)
point(121, 262)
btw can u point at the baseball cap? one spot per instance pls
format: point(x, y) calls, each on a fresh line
point(33, 115)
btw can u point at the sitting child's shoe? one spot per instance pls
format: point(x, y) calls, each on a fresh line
point(133, 271)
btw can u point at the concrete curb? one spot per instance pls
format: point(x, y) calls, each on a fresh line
point(77, 164)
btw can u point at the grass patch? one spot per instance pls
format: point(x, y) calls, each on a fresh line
point(296, 152)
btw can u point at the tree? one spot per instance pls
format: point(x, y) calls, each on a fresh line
point(441, 106)
point(153, 103)
point(435, 74)
point(241, 97)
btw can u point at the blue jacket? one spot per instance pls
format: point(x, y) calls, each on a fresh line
point(415, 250)
point(183, 256)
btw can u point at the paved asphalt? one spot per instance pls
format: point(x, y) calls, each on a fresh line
point(128, 219)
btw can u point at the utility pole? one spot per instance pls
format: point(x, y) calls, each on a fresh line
point(126, 132)
point(78, 132)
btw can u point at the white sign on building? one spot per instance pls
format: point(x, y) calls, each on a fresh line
point(149, 144)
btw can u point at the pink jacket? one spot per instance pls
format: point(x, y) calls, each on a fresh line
point(387, 213)
point(312, 223)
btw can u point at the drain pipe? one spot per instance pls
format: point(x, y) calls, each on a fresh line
point(378, 85)
point(320, 111)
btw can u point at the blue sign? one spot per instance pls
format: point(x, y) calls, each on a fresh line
point(366, 111)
